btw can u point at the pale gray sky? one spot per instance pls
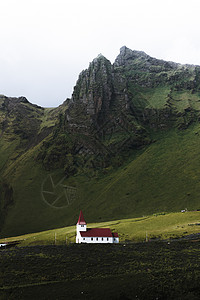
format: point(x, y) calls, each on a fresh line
point(45, 44)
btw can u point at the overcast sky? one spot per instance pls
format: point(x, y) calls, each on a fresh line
point(45, 44)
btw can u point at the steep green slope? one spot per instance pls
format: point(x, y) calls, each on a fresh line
point(23, 127)
point(162, 177)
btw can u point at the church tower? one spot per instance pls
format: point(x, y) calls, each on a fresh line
point(80, 226)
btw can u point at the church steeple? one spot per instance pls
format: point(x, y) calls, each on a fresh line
point(81, 220)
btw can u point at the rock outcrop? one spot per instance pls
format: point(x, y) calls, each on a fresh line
point(94, 88)
point(143, 87)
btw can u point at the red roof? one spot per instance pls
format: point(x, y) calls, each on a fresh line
point(97, 232)
point(81, 220)
point(115, 234)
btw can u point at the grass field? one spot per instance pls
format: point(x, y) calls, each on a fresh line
point(158, 226)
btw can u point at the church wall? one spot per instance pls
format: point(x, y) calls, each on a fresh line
point(97, 240)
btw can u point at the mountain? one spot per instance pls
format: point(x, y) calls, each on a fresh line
point(126, 144)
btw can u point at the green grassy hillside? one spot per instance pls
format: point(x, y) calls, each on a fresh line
point(23, 128)
point(162, 177)
point(157, 226)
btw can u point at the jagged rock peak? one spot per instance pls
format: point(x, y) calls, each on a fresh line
point(141, 60)
point(124, 51)
point(94, 87)
point(127, 54)
point(99, 59)
point(100, 56)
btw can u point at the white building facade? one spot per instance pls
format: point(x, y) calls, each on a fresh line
point(94, 235)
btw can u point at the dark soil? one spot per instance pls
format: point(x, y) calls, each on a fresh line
point(154, 270)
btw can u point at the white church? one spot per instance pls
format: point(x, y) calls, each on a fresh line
point(94, 235)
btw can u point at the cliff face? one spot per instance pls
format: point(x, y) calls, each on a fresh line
point(94, 87)
point(154, 93)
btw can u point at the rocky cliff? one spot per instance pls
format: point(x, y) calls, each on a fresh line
point(148, 89)
point(114, 107)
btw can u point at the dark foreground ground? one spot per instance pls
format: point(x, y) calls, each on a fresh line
point(154, 270)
